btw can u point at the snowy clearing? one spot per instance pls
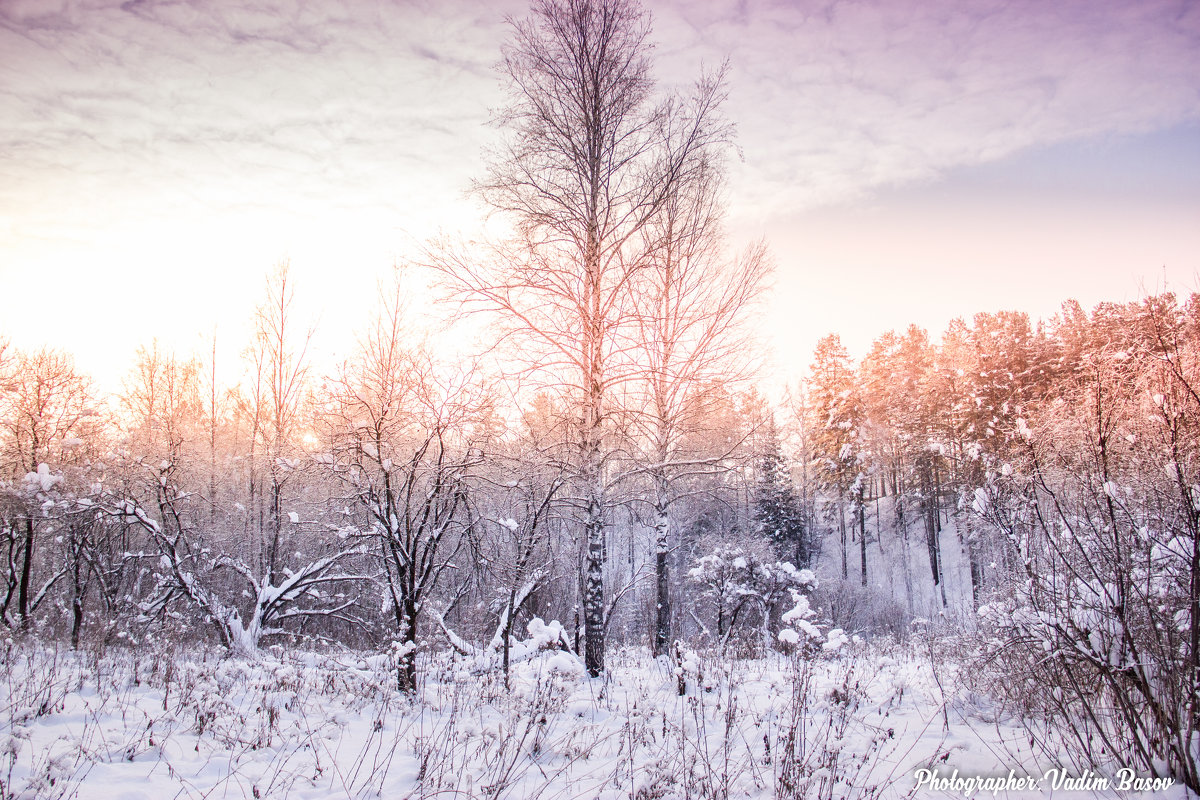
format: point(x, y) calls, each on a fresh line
point(196, 724)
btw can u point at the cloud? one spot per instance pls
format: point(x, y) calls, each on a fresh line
point(153, 108)
point(836, 99)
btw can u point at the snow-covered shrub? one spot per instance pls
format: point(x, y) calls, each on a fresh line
point(862, 609)
point(688, 668)
point(741, 584)
point(543, 664)
point(1099, 625)
point(838, 741)
point(545, 657)
point(801, 636)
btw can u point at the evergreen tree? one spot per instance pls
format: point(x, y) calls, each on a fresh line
point(836, 412)
point(778, 511)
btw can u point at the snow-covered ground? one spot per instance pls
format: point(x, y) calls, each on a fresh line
point(150, 726)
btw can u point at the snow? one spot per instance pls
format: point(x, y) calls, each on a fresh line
point(835, 640)
point(544, 637)
point(179, 723)
point(981, 502)
point(801, 610)
point(42, 480)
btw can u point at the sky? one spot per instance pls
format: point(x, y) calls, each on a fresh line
point(906, 162)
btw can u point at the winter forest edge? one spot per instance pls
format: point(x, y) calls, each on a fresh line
point(594, 560)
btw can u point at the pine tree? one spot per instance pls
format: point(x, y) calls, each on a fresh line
point(837, 414)
point(778, 511)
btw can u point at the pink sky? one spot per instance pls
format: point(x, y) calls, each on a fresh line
point(906, 162)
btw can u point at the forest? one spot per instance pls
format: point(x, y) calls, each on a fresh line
point(1002, 514)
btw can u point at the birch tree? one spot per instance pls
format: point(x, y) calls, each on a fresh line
point(692, 298)
point(589, 159)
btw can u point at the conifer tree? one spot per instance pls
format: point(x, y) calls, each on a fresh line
point(837, 413)
point(778, 512)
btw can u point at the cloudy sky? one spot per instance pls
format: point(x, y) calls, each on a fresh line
point(906, 161)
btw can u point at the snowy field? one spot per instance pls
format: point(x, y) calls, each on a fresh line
point(859, 723)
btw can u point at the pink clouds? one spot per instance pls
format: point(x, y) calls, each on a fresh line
point(836, 99)
point(832, 99)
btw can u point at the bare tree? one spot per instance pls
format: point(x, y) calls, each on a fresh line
point(280, 375)
point(46, 413)
point(692, 305)
point(589, 161)
point(246, 596)
point(191, 572)
point(403, 441)
point(516, 556)
point(161, 403)
point(214, 411)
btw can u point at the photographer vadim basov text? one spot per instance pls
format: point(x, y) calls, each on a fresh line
point(1058, 780)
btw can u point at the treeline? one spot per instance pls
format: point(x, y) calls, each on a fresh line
point(927, 423)
point(399, 504)
point(1065, 458)
point(396, 502)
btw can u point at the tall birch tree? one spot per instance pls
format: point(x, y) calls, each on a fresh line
point(590, 157)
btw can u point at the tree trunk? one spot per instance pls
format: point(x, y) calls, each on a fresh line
point(509, 622)
point(842, 531)
point(662, 618)
point(593, 598)
point(406, 670)
point(255, 534)
point(11, 577)
point(276, 523)
point(77, 592)
point(765, 638)
point(593, 592)
point(212, 436)
point(862, 535)
point(972, 554)
point(26, 574)
point(590, 444)
point(932, 528)
point(902, 524)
